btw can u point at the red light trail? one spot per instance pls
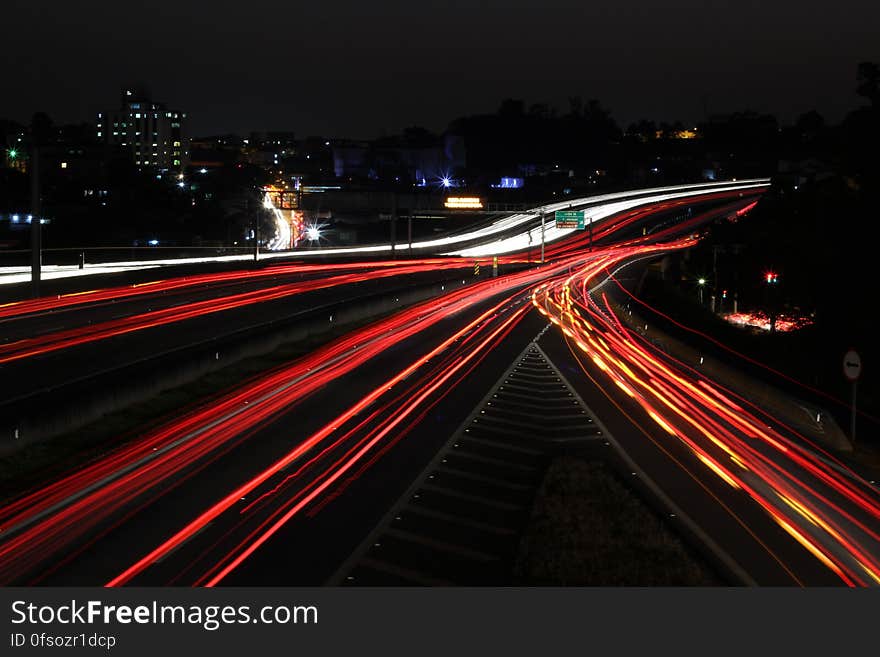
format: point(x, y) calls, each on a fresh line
point(57, 516)
point(73, 299)
point(64, 339)
point(825, 507)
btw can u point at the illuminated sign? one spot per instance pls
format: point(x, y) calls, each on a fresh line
point(570, 219)
point(464, 203)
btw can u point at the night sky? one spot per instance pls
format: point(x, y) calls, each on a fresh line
point(362, 69)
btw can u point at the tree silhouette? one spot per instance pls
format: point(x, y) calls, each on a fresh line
point(869, 82)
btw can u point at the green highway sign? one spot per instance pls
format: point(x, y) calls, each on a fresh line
point(570, 219)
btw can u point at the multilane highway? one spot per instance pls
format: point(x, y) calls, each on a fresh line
point(277, 480)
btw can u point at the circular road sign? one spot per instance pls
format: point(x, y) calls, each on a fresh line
point(852, 365)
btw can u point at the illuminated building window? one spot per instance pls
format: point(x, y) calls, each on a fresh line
point(64, 165)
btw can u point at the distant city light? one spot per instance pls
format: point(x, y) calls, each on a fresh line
point(153, 242)
point(313, 233)
point(13, 153)
point(446, 182)
point(702, 281)
point(181, 184)
point(203, 170)
point(760, 320)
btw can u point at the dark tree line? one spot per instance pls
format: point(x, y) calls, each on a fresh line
point(815, 227)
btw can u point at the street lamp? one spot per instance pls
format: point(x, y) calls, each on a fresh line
point(772, 279)
point(702, 283)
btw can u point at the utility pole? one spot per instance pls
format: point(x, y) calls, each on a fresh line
point(393, 220)
point(409, 222)
point(256, 232)
point(36, 232)
point(542, 236)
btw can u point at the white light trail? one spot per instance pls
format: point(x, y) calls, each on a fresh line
point(601, 206)
point(282, 237)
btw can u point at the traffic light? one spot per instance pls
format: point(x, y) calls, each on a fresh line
point(772, 278)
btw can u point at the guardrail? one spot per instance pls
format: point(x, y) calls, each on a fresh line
point(71, 256)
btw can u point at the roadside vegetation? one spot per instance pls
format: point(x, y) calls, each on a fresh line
point(588, 528)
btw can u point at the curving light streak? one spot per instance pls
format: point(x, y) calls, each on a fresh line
point(491, 232)
point(46, 525)
point(825, 507)
point(283, 237)
point(49, 342)
point(596, 214)
point(38, 527)
point(74, 299)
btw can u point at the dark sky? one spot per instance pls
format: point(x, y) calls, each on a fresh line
point(361, 68)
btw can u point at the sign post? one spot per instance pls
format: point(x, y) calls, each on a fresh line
point(852, 369)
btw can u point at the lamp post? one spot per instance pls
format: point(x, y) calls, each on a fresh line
point(702, 283)
point(36, 213)
point(771, 278)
